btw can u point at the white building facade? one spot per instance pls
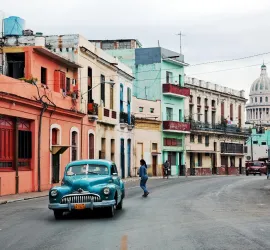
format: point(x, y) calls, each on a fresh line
point(106, 90)
point(216, 141)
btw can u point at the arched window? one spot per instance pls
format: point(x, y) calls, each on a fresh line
point(255, 99)
point(74, 152)
point(91, 146)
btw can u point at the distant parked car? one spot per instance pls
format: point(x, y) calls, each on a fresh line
point(256, 167)
point(88, 184)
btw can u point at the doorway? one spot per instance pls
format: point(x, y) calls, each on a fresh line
point(129, 157)
point(123, 158)
point(154, 165)
point(240, 165)
point(55, 158)
point(192, 164)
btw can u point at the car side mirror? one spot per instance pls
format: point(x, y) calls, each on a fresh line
point(114, 174)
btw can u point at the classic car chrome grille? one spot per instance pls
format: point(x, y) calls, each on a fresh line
point(80, 198)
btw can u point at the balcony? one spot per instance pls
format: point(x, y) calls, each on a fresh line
point(92, 111)
point(107, 116)
point(175, 90)
point(174, 126)
point(126, 121)
point(220, 128)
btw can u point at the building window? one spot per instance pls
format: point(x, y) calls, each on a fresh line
point(169, 114)
point(251, 100)
point(199, 138)
point(180, 115)
point(112, 150)
point(172, 142)
point(125, 45)
point(107, 45)
point(89, 82)
point(91, 146)
point(199, 160)
point(255, 142)
point(62, 81)
point(263, 142)
point(206, 102)
point(140, 109)
point(260, 99)
point(43, 75)
point(192, 138)
point(169, 77)
point(121, 98)
point(207, 140)
point(154, 147)
point(74, 143)
point(213, 103)
point(102, 89)
point(68, 84)
point(231, 112)
point(255, 99)
point(15, 65)
point(111, 95)
point(199, 114)
point(198, 100)
point(266, 99)
point(152, 110)
point(7, 143)
point(102, 152)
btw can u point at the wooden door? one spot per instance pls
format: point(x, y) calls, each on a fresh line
point(154, 165)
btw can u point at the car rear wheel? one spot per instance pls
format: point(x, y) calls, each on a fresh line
point(254, 174)
point(120, 205)
point(247, 173)
point(58, 214)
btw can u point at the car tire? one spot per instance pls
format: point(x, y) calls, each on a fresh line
point(58, 214)
point(254, 174)
point(119, 206)
point(260, 174)
point(247, 174)
point(110, 211)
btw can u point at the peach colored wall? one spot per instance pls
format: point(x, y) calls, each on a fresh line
point(28, 179)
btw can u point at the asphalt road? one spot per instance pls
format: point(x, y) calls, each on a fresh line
point(185, 213)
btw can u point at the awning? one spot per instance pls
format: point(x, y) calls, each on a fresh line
point(59, 149)
point(233, 154)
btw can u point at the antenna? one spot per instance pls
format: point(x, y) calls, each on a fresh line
point(180, 35)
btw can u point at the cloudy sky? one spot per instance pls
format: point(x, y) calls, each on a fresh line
point(213, 29)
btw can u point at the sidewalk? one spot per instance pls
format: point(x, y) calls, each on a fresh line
point(29, 196)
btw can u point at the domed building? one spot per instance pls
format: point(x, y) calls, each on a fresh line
point(259, 100)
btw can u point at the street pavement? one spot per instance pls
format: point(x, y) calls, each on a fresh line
point(180, 213)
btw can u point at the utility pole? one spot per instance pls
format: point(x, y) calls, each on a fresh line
point(180, 36)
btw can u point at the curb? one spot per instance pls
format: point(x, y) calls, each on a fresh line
point(21, 199)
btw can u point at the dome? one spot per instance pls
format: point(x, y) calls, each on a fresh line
point(262, 84)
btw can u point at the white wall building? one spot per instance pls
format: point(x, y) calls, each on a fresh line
point(216, 142)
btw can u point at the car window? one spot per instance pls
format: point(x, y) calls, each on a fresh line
point(113, 170)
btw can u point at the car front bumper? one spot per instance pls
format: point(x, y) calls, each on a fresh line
point(88, 205)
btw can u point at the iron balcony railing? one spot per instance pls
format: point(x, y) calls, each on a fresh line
point(125, 118)
point(220, 127)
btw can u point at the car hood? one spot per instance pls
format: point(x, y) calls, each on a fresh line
point(86, 182)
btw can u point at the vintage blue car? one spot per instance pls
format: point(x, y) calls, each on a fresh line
point(88, 184)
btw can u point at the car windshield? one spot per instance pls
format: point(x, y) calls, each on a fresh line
point(89, 169)
point(256, 164)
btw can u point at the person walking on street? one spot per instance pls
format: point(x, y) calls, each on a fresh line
point(144, 177)
point(166, 166)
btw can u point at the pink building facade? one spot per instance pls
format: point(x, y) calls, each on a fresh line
point(42, 127)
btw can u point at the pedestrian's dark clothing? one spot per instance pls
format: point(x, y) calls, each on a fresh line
point(144, 178)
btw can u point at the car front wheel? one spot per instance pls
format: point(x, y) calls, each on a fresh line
point(58, 214)
point(247, 173)
point(110, 211)
point(120, 205)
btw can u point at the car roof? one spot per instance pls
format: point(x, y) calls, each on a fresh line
point(90, 161)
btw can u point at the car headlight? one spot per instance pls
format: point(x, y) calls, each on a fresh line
point(54, 193)
point(106, 191)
